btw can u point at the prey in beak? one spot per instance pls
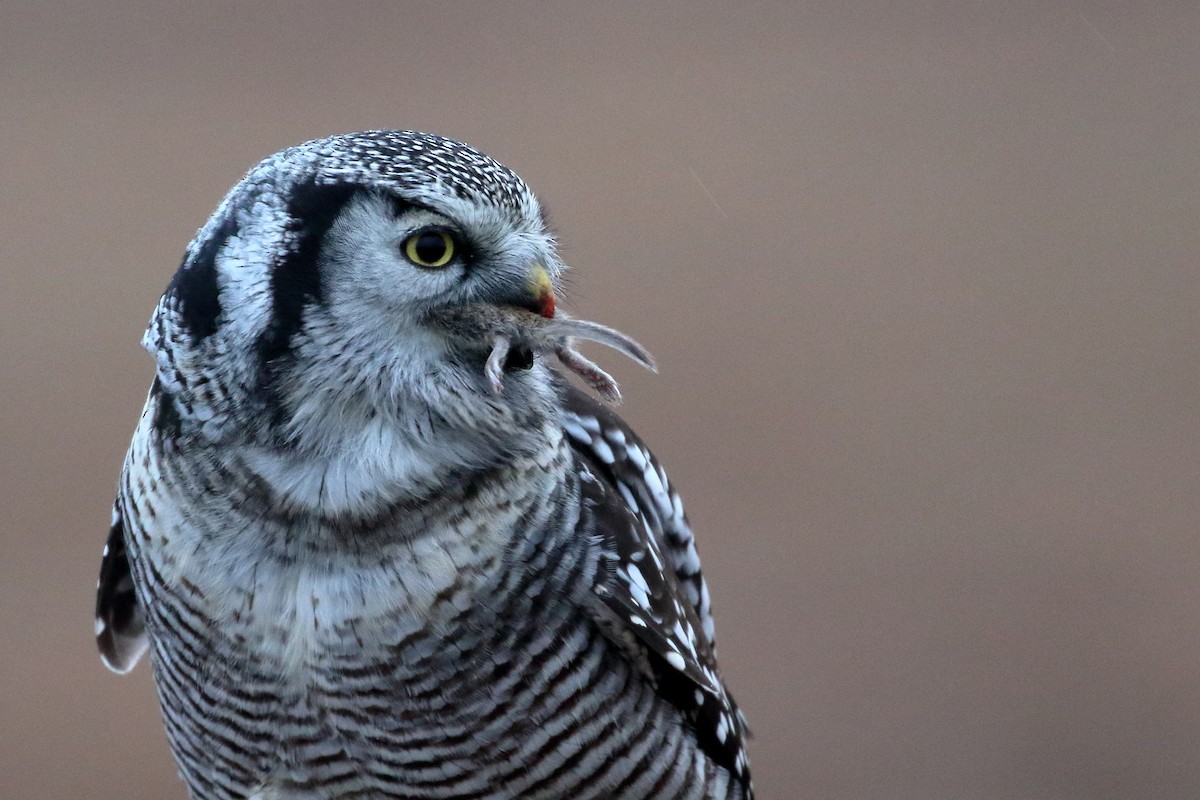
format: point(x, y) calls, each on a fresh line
point(531, 326)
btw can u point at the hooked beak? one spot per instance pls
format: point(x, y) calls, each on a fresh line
point(541, 290)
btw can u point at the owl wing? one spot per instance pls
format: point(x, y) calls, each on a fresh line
point(120, 625)
point(653, 599)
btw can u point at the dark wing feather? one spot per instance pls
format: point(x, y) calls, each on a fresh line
point(654, 601)
point(623, 460)
point(120, 626)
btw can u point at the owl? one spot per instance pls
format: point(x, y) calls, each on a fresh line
point(375, 540)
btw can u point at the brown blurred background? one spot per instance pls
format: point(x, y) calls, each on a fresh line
point(923, 279)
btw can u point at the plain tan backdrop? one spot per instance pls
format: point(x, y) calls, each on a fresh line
point(923, 279)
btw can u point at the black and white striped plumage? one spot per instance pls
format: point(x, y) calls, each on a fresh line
point(361, 568)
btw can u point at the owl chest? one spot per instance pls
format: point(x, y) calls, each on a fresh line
point(294, 620)
point(295, 662)
point(308, 670)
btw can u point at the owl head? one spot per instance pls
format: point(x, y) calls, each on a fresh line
point(312, 291)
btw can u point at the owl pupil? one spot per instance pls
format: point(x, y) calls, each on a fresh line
point(430, 247)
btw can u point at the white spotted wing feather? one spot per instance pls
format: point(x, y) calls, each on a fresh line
point(655, 590)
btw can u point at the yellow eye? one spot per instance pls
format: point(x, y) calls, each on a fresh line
point(431, 248)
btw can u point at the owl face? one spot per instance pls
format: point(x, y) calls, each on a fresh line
point(390, 261)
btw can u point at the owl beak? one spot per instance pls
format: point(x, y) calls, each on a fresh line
point(542, 290)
